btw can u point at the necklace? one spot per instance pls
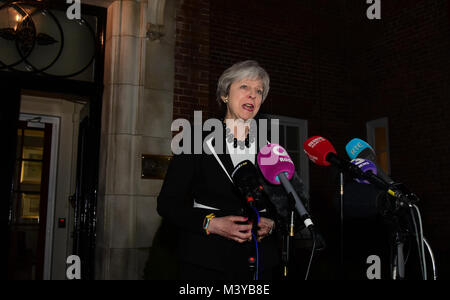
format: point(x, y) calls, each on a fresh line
point(246, 143)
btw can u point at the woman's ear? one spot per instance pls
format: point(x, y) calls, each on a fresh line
point(224, 98)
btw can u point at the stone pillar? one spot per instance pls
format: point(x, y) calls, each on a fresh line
point(136, 118)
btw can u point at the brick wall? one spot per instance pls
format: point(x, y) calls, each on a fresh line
point(330, 65)
point(301, 45)
point(402, 73)
point(191, 58)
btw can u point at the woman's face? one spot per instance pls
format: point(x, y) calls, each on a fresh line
point(244, 99)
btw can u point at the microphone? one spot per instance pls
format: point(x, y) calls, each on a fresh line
point(321, 152)
point(365, 166)
point(318, 148)
point(358, 148)
point(245, 178)
point(277, 168)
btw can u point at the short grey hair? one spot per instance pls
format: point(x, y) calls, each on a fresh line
point(248, 69)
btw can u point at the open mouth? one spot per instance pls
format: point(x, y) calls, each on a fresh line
point(248, 107)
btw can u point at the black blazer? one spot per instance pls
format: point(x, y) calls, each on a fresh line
point(200, 177)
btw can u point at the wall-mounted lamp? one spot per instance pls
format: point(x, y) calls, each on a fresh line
point(155, 19)
point(18, 19)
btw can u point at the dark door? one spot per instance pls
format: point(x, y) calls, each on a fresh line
point(28, 204)
point(85, 197)
point(9, 116)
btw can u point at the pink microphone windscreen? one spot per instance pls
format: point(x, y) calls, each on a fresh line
point(273, 160)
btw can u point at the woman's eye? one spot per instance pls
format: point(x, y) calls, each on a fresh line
point(243, 86)
point(260, 92)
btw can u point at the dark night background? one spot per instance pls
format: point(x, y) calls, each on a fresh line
point(329, 65)
point(332, 66)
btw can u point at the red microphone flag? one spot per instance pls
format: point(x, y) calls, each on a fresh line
point(317, 148)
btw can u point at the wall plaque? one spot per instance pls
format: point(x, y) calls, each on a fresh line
point(155, 166)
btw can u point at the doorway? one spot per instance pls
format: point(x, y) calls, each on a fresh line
point(32, 197)
point(44, 179)
point(69, 65)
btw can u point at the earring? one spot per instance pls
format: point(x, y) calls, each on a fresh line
point(225, 100)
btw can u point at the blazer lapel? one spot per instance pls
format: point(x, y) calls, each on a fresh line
point(222, 159)
point(226, 161)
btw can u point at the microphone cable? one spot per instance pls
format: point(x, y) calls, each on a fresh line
point(313, 249)
point(419, 238)
point(256, 244)
point(433, 261)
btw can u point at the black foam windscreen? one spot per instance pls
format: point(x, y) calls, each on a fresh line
point(245, 177)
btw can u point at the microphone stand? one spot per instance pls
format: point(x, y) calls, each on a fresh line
point(288, 241)
point(398, 261)
point(252, 260)
point(342, 220)
point(392, 214)
point(297, 203)
point(251, 264)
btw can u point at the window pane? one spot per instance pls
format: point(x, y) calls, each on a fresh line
point(51, 43)
point(295, 159)
point(293, 138)
point(79, 45)
point(31, 173)
point(35, 153)
point(33, 144)
point(380, 139)
point(30, 206)
point(382, 161)
point(282, 142)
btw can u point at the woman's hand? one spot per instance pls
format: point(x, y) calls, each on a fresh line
point(228, 228)
point(265, 227)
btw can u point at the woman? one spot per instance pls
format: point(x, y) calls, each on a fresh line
point(199, 197)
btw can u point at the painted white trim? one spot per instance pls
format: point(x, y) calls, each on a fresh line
point(49, 226)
